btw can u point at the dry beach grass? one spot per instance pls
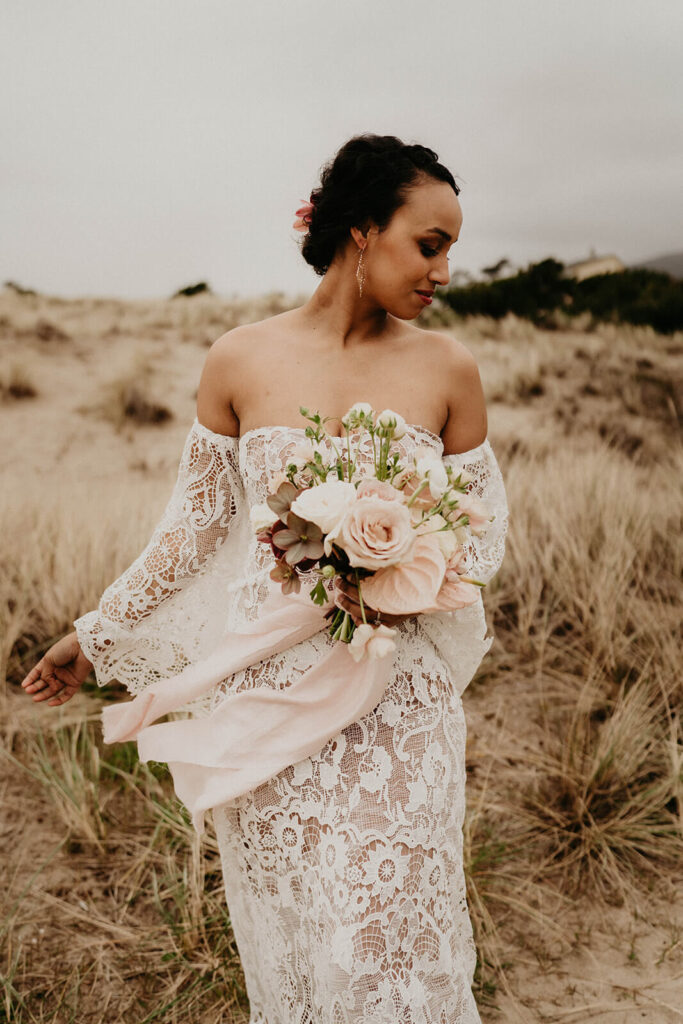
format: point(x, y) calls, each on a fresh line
point(110, 910)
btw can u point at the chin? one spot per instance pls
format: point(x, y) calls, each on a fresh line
point(403, 311)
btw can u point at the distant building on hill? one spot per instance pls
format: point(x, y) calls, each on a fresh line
point(594, 265)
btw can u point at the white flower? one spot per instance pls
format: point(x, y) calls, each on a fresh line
point(302, 452)
point(326, 504)
point(447, 540)
point(360, 409)
point(465, 477)
point(431, 467)
point(261, 516)
point(389, 418)
point(372, 642)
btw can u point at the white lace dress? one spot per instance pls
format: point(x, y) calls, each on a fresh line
point(343, 873)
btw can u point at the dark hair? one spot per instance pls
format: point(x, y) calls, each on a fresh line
point(368, 179)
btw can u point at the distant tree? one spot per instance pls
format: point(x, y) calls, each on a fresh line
point(632, 296)
point(531, 293)
point(13, 286)
point(494, 272)
point(192, 289)
point(460, 278)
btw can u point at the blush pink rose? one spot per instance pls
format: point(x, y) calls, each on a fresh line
point(410, 587)
point(479, 515)
point(374, 533)
point(370, 487)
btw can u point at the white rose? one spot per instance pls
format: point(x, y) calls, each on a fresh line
point(372, 642)
point(389, 418)
point(302, 452)
point(360, 408)
point(261, 517)
point(326, 504)
point(431, 467)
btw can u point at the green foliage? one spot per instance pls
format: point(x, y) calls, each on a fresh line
point(644, 297)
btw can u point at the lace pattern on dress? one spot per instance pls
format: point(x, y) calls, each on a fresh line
point(343, 873)
point(459, 636)
point(156, 618)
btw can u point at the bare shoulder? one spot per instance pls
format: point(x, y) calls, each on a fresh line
point(467, 423)
point(224, 366)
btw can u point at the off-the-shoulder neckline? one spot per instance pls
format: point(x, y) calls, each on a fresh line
point(259, 430)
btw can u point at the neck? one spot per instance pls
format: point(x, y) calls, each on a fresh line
point(343, 318)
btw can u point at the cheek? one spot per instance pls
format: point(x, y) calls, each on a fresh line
point(398, 266)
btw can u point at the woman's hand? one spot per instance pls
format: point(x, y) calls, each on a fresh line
point(346, 597)
point(60, 672)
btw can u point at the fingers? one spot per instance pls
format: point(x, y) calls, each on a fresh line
point(61, 698)
point(347, 600)
point(39, 677)
point(52, 688)
point(44, 683)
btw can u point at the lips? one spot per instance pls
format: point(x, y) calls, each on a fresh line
point(427, 295)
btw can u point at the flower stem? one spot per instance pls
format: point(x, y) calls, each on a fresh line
point(345, 629)
point(411, 499)
point(360, 597)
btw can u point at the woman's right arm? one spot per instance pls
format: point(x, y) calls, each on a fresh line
point(196, 521)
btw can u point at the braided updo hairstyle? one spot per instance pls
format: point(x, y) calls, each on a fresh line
point(368, 179)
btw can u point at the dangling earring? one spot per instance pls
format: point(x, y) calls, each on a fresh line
point(360, 272)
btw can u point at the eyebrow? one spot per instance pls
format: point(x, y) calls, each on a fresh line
point(438, 231)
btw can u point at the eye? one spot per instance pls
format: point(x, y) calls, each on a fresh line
point(428, 251)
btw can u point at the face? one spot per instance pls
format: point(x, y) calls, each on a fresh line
point(411, 255)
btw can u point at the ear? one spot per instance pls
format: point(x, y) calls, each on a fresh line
point(359, 237)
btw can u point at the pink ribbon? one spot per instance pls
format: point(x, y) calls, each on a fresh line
point(253, 735)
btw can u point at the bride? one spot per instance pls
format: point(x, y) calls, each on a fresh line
point(344, 869)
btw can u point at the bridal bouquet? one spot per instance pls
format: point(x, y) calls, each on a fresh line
point(397, 532)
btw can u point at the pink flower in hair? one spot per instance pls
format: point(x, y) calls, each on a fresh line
point(303, 216)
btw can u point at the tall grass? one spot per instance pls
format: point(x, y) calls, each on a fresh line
point(112, 911)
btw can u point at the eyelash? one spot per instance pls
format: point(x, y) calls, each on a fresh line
point(427, 251)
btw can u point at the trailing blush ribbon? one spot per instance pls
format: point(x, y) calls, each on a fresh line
point(252, 735)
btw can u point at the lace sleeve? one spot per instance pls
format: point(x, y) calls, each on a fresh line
point(484, 554)
point(141, 629)
point(460, 636)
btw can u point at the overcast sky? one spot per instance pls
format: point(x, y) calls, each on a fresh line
point(147, 145)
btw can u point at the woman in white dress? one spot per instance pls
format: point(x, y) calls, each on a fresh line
point(343, 872)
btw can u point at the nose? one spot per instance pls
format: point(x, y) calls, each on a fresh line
point(440, 273)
